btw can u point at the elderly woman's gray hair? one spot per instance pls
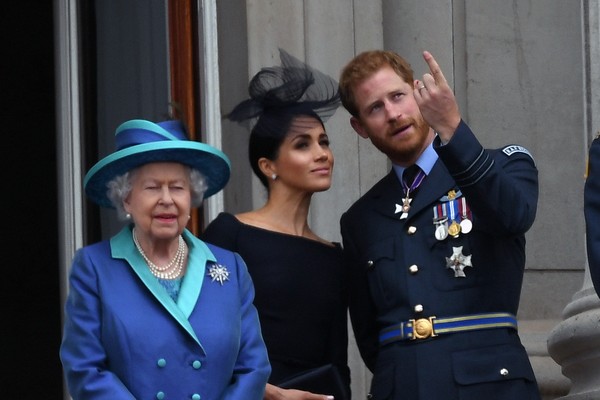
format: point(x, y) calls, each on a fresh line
point(120, 187)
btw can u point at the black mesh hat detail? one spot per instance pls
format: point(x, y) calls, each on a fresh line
point(282, 92)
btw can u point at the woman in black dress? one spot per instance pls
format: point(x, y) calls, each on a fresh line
point(298, 276)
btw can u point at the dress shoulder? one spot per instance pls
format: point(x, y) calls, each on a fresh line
point(222, 231)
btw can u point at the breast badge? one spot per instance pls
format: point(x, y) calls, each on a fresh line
point(458, 262)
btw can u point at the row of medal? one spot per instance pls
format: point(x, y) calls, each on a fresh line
point(451, 218)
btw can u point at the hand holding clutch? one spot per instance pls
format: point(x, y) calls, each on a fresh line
point(326, 380)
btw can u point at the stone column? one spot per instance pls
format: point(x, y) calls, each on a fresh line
point(575, 342)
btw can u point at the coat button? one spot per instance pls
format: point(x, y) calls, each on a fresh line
point(195, 396)
point(161, 362)
point(413, 269)
point(160, 395)
point(504, 372)
point(419, 308)
point(370, 264)
point(411, 230)
point(196, 364)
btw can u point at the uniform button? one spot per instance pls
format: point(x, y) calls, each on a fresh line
point(196, 364)
point(160, 395)
point(370, 264)
point(411, 230)
point(413, 269)
point(161, 362)
point(419, 308)
point(196, 396)
point(504, 372)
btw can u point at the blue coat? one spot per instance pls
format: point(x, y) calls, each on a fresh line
point(591, 198)
point(125, 338)
point(398, 266)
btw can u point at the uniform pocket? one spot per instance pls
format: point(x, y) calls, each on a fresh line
point(499, 372)
point(382, 271)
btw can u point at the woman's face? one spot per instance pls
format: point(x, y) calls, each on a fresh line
point(304, 159)
point(160, 200)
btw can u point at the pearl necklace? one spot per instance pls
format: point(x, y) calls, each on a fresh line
point(170, 271)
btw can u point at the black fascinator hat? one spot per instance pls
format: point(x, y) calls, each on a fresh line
point(278, 95)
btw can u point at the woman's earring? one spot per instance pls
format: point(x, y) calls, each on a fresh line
point(128, 216)
point(274, 176)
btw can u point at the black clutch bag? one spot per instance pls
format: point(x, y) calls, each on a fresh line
point(322, 380)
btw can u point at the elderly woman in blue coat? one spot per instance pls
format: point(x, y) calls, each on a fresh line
point(154, 312)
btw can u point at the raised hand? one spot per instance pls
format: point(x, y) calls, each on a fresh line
point(436, 100)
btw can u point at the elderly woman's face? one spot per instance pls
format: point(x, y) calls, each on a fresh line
point(160, 200)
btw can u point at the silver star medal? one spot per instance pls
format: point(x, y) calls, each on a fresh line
point(399, 209)
point(218, 273)
point(404, 207)
point(458, 262)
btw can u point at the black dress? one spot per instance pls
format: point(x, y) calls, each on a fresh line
point(300, 295)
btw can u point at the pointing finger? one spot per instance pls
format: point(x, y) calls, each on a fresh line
point(434, 68)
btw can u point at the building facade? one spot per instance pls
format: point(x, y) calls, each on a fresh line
point(524, 72)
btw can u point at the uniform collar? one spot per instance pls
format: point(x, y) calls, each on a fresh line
point(425, 161)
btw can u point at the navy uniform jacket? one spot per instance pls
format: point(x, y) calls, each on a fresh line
point(501, 189)
point(591, 196)
point(125, 338)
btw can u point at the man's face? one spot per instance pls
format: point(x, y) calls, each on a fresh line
point(389, 116)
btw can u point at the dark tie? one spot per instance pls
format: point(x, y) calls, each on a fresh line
point(412, 178)
point(408, 176)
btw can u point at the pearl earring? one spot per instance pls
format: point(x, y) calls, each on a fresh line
point(274, 176)
point(128, 216)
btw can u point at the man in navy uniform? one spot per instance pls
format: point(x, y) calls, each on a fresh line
point(591, 198)
point(436, 259)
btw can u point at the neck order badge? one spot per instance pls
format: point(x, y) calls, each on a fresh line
point(412, 177)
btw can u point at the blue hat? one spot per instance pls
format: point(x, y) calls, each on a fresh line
point(141, 142)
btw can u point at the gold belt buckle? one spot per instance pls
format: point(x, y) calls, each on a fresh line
point(423, 328)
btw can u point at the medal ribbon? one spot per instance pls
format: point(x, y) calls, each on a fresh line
point(416, 181)
point(465, 211)
point(453, 206)
point(440, 212)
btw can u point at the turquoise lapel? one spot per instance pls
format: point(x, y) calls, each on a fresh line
point(122, 247)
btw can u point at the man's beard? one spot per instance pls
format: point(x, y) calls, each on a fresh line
point(405, 151)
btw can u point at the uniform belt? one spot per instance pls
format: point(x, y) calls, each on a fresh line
point(423, 328)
